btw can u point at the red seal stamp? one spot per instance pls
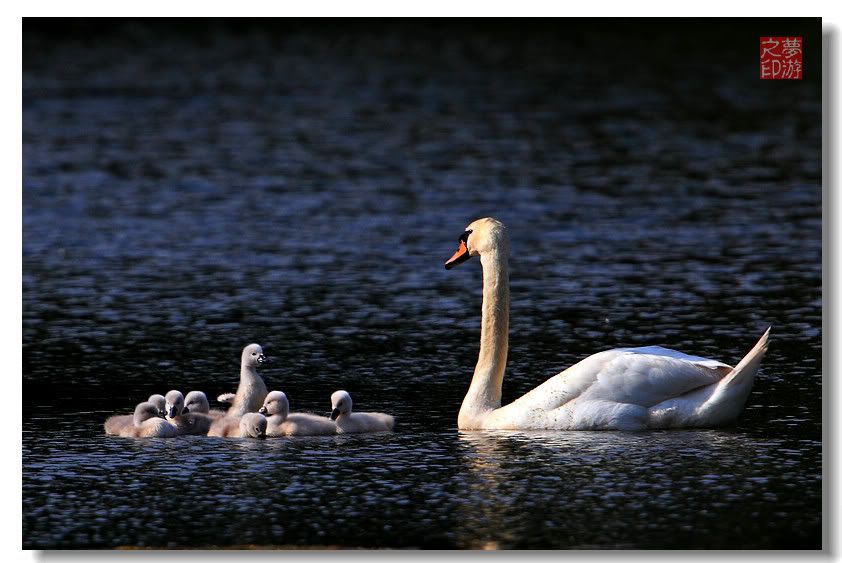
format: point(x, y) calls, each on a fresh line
point(781, 58)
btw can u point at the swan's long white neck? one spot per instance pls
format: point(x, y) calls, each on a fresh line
point(248, 373)
point(486, 386)
point(250, 393)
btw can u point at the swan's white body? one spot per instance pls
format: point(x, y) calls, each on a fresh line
point(622, 389)
point(249, 396)
point(252, 389)
point(144, 423)
point(129, 424)
point(348, 422)
point(281, 423)
point(227, 426)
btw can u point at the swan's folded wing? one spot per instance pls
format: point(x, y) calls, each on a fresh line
point(560, 389)
point(641, 376)
point(674, 354)
point(647, 376)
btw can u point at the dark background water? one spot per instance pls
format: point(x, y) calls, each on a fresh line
point(192, 187)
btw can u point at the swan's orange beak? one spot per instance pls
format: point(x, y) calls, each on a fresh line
point(458, 257)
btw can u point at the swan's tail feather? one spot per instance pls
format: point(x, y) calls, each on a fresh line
point(226, 398)
point(726, 400)
point(113, 424)
point(745, 370)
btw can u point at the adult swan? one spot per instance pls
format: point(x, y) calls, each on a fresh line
point(621, 389)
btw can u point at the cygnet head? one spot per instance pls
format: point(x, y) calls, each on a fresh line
point(196, 401)
point(160, 402)
point(485, 235)
point(143, 412)
point(253, 425)
point(174, 403)
point(340, 402)
point(276, 403)
point(252, 355)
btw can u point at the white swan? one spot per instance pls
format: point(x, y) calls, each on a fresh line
point(252, 390)
point(146, 423)
point(253, 425)
point(114, 424)
point(186, 422)
point(621, 389)
point(281, 423)
point(197, 402)
point(348, 422)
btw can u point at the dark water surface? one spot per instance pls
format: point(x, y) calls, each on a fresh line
point(188, 193)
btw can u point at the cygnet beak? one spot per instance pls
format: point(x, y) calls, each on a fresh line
point(261, 359)
point(185, 410)
point(334, 414)
point(262, 410)
point(171, 413)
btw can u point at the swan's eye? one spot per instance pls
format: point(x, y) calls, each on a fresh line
point(254, 353)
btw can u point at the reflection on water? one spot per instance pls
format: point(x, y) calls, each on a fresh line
point(592, 489)
point(685, 489)
point(301, 188)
